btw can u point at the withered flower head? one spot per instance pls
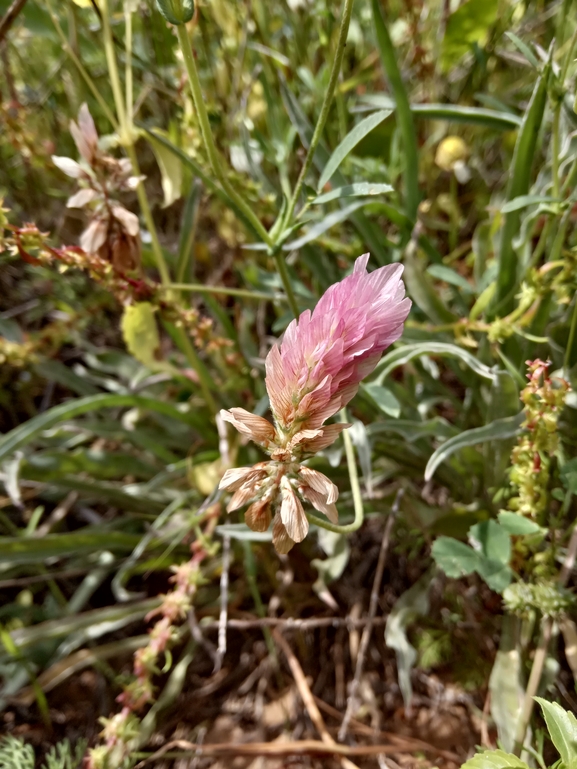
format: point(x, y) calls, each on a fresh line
point(113, 232)
point(310, 376)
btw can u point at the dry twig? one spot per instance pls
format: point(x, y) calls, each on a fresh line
point(10, 17)
point(301, 748)
point(307, 696)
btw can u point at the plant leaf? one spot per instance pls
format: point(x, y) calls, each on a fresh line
point(413, 603)
point(497, 430)
point(23, 434)
point(403, 112)
point(357, 190)
point(350, 141)
point(402, 355)
point(562, 726)
point(525, 147)
point(140, 332)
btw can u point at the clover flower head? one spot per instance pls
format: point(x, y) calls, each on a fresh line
point(312, 374)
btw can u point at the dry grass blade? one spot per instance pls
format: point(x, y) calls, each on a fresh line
point(269, 749)
point(307, 696)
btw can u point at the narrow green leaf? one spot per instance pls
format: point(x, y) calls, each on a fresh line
point(170, 166)
point(506, 683)
point(519, 182)
point(384, 398)
point(448, 275)
point(318, 229)
point(422, 291)
point(402, 355)
point(524, 48)
point(357, 190)
point(497, 430)
point(185, 257)
point(481, 116)
point(412, 604)
point(199, 172)
point(23, 434)
point(14, 550)
point(241, 532)
point(524, 201)
point(562, 726)
point(350, 141)
point(404, 115)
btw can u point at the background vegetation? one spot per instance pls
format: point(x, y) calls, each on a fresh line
point(242, 162)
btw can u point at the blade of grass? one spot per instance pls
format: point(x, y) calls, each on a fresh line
point(23, 434)
point(525, 147)
point(404, 115)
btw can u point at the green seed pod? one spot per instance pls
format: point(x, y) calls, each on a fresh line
point(176, 11)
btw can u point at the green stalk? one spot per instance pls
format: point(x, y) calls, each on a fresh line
point(127, 139)
point(217, 168)
point(571, 339)
point(208, 139)
point(204, 378)
point(80, 67)
point(355, 488)
point(128, 80)
point(243, 292)
point(325, 108)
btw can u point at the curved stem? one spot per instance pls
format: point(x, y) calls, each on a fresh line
point(326, 105)
point(355, 488)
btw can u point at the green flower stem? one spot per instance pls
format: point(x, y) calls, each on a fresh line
point(80, 67)
point(242, 292)
point(148, 218)
point(113, 69)
point(208, 139)
point(571, 339)
point(286, 281)
point(128, 79)
point(355, 488)
point(204, 378)
point(127, 139)
point(325, 108)
point(216, 164)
